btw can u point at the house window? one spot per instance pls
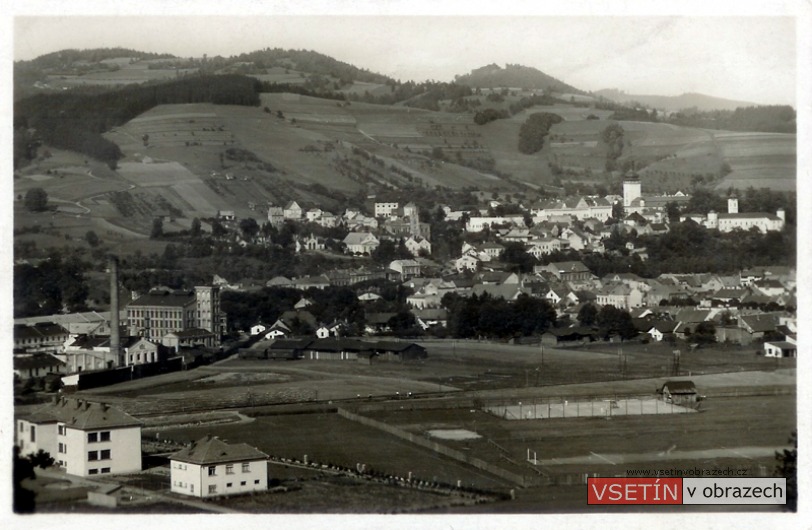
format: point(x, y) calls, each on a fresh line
point(246, 467)
point(62, 448)
point(242, 483)
point(104, 436)
point(105, 470)
point(61, 430)
point(33, 433)
point(229, 469)
point(105, 455)
point(212, 471)
point(191, 488)
point(92, 455)
point(93, 472)
point(22, 427)
point(229, 484)
point(212, 489)
point(256, 481)
point(92, 437)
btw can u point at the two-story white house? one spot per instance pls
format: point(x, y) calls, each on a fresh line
point(210, 467)
point(84, 438)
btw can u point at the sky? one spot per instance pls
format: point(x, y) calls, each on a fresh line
point(749, 58)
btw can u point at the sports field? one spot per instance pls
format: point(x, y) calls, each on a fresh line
point(605, 408)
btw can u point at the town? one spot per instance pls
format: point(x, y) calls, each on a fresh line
point(260, 284)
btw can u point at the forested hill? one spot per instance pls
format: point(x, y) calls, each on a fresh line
point(308, 61)
point(700, 102)
point(67, 58)
point(75, 121)
point(514, 75)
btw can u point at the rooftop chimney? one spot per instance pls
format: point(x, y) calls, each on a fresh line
point(115, 340)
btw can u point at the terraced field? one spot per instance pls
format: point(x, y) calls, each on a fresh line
point(759, 160)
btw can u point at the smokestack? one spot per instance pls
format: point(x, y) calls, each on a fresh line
point(115, 340)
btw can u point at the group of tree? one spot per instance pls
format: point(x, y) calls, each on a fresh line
point(761, 118)
point(36, 200)
point(244, 309)
point(612, 138)
point(487, 316)
point(49, 287)
point(534, 130)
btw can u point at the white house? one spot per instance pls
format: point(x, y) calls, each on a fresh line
point(780, 349)
point(386, 209)
point(415, 244)
point(85, 438)
point(292, 211)
point(278, 329)
point(313, 214)
point(258, 328)
point(361, 243)
point(210, 467)
point(466, 262)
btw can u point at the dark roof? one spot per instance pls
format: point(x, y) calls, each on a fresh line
point(395, 346)
point(39, 330)
point(290, 344)
point(164, 300)
point(680, 387)
point(341, 344)
point(575, 332)
point(212, 450)
point(665, 326)
point(570, 266)
point(35, 361)
point(784, 345)
point(692, 316)
point(760, 323)
point(90, 341)
point(85, 415)
point(193, 333)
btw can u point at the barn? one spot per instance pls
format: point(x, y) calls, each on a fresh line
point(679, 392)
point(399, 351)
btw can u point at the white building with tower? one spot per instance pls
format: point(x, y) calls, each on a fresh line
point(735, 220)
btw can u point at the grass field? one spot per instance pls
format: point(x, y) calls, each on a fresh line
point(328, 438)
point(759, 160)
point(747, 414)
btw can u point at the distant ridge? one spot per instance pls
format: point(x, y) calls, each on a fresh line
point(514, 75)
point(684, 101)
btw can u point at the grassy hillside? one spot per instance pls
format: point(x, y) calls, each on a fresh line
point(190, 160)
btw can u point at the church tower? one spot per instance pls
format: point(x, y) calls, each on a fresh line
point(631, 188)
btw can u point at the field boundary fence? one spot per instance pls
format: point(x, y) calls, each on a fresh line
point(459, 456)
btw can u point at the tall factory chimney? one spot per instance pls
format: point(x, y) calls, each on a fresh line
point(115, 340)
